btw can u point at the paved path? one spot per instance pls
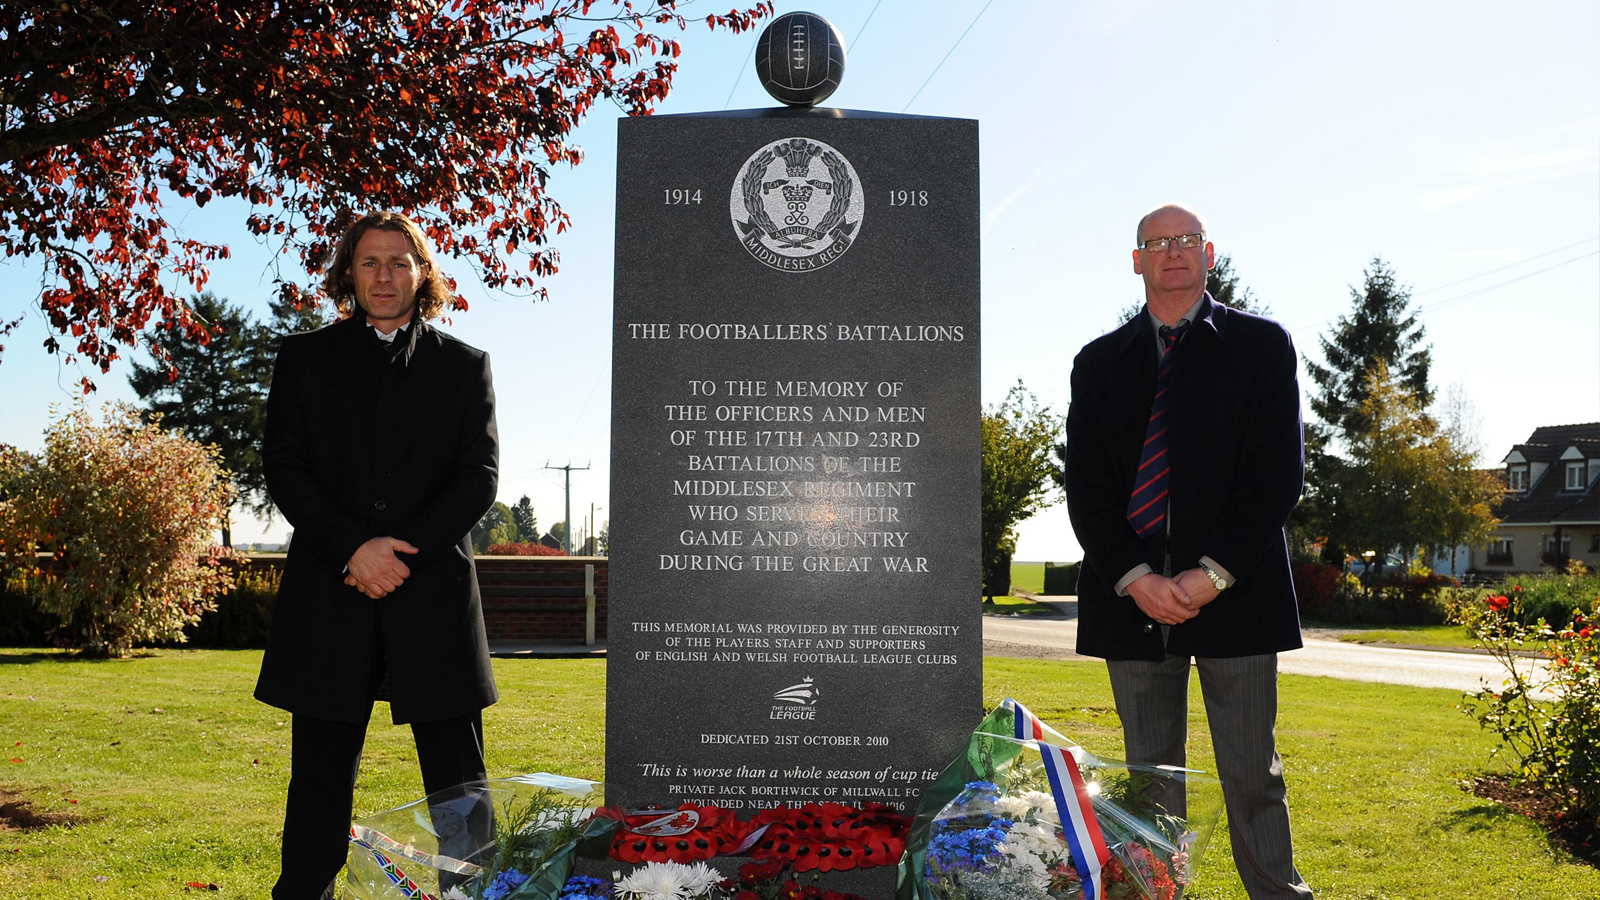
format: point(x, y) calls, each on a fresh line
point(1053, 637)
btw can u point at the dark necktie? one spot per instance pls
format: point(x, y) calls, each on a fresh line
point(1147, 508)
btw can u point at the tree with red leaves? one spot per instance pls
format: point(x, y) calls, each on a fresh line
point(313, 112)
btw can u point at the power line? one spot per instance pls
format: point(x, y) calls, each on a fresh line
point(749, 57)
point(947, 56)
point(864, 25)
point(1508, 266)
point(597, 376)
point(1484, 290)
point(1478, 292)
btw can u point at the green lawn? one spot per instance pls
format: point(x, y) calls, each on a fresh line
point(179, 775)
point(1028, 576)
point(1422, 635)
point(1419, 635)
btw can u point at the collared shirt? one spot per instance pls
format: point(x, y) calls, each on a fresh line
point(389, 338)
point(1142, 569)
point(1156, 324)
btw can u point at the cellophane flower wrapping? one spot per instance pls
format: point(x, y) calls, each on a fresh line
point(504, 839)
point(993, 826)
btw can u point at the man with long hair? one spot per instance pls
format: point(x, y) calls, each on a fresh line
point(381, 451)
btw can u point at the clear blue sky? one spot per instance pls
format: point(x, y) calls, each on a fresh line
point(1452, 139)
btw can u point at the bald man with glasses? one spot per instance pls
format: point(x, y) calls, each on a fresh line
point(1184, 460)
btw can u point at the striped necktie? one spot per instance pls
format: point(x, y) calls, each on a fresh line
point(1147, 508)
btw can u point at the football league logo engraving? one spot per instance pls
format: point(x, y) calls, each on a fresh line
point(797, 204)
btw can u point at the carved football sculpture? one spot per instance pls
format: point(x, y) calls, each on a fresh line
point(800, 58)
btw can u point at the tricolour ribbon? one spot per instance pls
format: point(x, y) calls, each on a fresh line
point(1088, 845)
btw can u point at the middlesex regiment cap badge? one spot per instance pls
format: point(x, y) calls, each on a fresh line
point(797, 204)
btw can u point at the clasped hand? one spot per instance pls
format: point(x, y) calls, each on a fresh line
point(1173, 600)
point(374, 570)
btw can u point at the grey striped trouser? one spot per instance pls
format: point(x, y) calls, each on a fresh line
point(1241, 697)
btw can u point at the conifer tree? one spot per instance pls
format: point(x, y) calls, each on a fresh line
point(215, 392)
point(1379, 330)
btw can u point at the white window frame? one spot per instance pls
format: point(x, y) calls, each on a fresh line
point(1500, 549)
point(1580, 470)
point(1518, 476)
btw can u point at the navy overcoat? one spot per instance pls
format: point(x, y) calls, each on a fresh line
point(1237, 460)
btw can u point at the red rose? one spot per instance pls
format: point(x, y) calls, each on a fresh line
point(1498, 602)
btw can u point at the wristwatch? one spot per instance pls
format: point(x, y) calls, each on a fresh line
point(1217, 581)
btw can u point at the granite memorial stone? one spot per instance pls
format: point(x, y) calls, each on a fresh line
point(795, 571)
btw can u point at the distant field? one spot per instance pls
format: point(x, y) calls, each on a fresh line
point(1028, 576)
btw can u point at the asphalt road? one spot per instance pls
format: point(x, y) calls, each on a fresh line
point(1053, 637)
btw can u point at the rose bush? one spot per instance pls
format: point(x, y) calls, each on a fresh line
point(1555, 742)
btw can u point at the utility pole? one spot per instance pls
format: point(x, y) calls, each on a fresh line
point(569, 468)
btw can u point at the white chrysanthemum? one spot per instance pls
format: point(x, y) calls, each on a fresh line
point(700, 878)
point(455, 893)
point(1013, 807)
point(1033, 847)
point(1045, 804)
point(667, 881)
point(654, 881)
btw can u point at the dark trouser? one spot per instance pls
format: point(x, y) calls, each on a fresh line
point(1241, 697)
point(325, 759)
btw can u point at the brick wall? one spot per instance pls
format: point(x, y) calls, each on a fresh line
point(539, 618)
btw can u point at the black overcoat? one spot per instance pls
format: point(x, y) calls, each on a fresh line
point(1237, 457)
point(367, 440)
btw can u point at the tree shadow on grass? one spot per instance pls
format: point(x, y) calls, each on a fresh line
point(17, 813)
point(1506, 800)
point(29, 657)
point(1480, 817)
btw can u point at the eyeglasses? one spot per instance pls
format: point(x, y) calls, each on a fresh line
point(1185, 242)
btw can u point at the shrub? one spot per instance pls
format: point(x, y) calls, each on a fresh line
point(1061, 579)
point(525, 548)
point(21, 625)
point(1327, 594)
point(1553, 597)
point(1556, 744)
point(243, 617)
point(1317, 588)
point(128, 512)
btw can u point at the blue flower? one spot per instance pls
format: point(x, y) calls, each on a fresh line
point(582, 887)
point(503, 884)
point(969, 849)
